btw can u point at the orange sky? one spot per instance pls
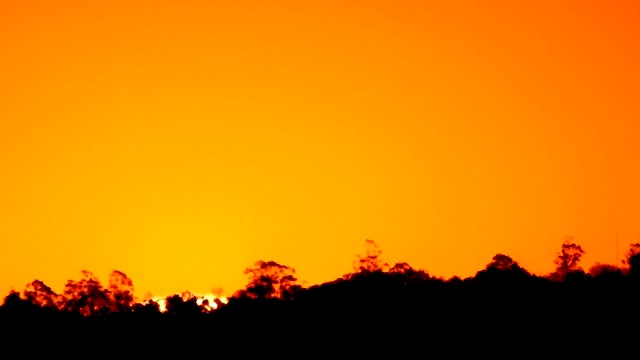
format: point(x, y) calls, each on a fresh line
point(180, 141)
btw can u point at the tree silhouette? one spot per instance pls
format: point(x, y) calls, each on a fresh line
point(371, 260)
point(501, 294)
point(14, 305)
point(633, 260)
point(86, 296)
point(602, 271)
point(502, 262)
point(408, 272)
point(634, 249)
point(148, 308)
point(568, 259)
point(268, 279)
point(38, 293)
point(185, 304)
point(120, 292)
point(502, 270)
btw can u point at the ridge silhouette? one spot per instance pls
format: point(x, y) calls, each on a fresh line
point(375, 308)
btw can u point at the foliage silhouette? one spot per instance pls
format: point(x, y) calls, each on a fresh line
point(120, 292)
point(634, 249)
point(183, 305)
point(371, 260)
point(384, 305)
point(270, 280)
point(86, 296)
point(40, 294)
point(568, 259)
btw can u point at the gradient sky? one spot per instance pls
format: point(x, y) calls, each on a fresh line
point(181, 141)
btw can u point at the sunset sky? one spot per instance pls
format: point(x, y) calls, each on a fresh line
point(181, 141)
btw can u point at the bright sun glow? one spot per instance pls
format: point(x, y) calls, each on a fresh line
point(207, 302)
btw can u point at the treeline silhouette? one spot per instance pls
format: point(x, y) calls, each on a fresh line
point(392, 307)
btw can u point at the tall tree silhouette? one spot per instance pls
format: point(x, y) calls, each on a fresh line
point(568, 259)
point(371, 260)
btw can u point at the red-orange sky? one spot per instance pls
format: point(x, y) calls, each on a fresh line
point(181, 141)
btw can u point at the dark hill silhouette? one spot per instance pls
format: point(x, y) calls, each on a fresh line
point(503, 310)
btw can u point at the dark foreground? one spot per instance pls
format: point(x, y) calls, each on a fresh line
point(369, 316)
